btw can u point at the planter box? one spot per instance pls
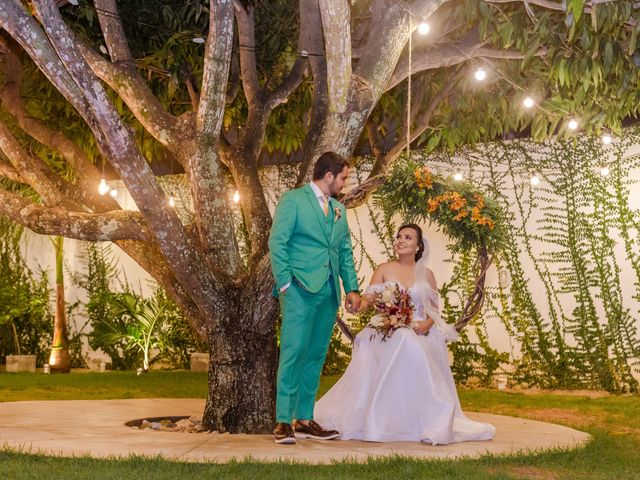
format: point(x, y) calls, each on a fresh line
point(21, 363)
point(199, 362)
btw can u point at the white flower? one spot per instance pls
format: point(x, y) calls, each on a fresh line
point(386, 296)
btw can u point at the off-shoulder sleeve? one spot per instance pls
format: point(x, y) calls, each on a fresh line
point(375, 288)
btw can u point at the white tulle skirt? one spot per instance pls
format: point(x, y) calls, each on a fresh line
point(401, 389)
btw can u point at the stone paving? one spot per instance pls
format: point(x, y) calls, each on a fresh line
point(96, 428)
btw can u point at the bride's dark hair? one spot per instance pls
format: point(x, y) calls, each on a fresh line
point(418, 230)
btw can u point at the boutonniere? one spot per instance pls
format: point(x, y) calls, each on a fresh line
point(337, 213)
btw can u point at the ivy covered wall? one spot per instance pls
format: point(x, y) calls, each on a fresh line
point(565, 292)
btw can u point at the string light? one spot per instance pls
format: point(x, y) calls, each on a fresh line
point(198, 40)
point(236, 197)
point(457, 176)
point(604, 170)
point(607, 139)
point(480, 74)
point(103, 49)
point(423, 28)
point(528, 102)
point(535, 179)
point(573, 124)
point(103, 188)
point(172, 201)
point(113, 193)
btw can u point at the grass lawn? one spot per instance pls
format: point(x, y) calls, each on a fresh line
point(613, 421)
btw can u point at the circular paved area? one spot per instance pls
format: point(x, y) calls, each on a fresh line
point(96, 428)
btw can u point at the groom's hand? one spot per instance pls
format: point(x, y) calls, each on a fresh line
point(352, 303)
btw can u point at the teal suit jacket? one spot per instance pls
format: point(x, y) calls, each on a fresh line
point(304, 246)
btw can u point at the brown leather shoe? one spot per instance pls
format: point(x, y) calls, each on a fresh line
point(315, 431)
point(283, 434)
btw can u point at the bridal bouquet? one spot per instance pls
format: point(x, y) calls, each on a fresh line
point(394, 310)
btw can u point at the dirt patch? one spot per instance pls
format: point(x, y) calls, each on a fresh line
point(525, 472)
point(569, 393)
point(562, 416)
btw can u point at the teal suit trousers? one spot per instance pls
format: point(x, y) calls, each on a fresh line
point(307, 322)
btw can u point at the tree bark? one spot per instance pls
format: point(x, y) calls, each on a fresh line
point(243, 359)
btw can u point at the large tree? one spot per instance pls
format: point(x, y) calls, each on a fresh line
point(143, 88)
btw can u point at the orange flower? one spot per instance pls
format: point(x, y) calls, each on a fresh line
point(457, 201)
point(461, 214)
point(423, 177)
point(433, 205)
point(479, 200)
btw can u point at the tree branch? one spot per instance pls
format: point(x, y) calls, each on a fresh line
point(116, 225)
point(34, 171)
point(422, 123)
point(312, 41)
point(208, 188)
point(7, 171)
point(87, 174)
point(116, 142)
point(247, 46)
point(113, 32)
point(336, 27)
point(127, 83)
point(550, 5)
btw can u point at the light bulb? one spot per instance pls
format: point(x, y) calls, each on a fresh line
point(528, 102)
point(480, 74)
point(103, 188)
point(113, 193)
point(236, 197)
point(423, 28)
point(457, 176)
point(103, 49)
point(573, 124)
point(535, 179)
point(198, 40)
point(604, 171)
point(172, 202)
point(606, 139)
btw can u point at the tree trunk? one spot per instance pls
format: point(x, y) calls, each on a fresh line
point(244, 359)
point(59, 359)
point(242, 369)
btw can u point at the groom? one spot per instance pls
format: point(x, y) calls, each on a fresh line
point(310, 248)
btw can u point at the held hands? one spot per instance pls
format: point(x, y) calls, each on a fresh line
point(422, 326)
point(352, 303)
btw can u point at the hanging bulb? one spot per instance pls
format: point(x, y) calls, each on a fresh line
point(528, 102)
point(172, 201)
point(236, 197)
point(607, 139)
point(604, 171)
point(423, 28)
point(480, 74)
point(457, 176)
point(103, 188)
point(113, 193)
point(573, 124)
point(535, 179)
point(198, 40)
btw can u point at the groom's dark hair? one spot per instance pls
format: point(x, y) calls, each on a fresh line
point(329, 162)
point(418, 230)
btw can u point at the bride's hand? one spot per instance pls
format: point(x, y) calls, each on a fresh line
point(422, 326)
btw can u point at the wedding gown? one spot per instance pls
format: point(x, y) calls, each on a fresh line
point(401, 389)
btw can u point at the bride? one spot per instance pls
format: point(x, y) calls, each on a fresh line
point(402, 389)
